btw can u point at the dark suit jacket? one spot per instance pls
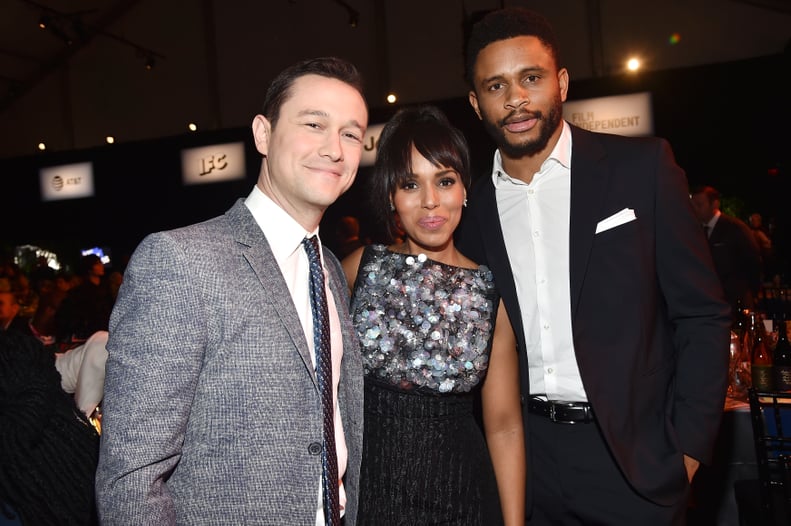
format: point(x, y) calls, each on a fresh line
point(650, 327)
point(737, 259)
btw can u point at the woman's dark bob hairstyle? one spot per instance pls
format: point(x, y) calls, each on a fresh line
point(427, 129)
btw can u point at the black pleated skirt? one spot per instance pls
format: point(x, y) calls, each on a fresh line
point(425, 461)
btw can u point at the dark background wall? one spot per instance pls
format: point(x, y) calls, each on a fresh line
point(727, 124)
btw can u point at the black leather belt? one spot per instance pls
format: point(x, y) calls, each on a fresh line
point(562, 412)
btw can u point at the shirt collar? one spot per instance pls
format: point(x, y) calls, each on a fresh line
point(282, 231)
point(561, 154)
point(713, 221)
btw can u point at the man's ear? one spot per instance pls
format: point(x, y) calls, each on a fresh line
point(473, 98)
point(563, 83)
point(262, 131)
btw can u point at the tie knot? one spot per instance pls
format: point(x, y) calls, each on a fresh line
point(312, 248)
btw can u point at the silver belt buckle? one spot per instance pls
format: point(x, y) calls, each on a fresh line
point(552, 413)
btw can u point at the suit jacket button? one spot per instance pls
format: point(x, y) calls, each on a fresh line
point(314, 448)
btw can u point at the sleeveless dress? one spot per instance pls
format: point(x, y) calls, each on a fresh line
point(425, 333)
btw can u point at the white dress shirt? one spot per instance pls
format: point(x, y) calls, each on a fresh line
point(285, 237)
point(711, 223)
point(535, 223)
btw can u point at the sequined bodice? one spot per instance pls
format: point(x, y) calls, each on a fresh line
point(423, 324)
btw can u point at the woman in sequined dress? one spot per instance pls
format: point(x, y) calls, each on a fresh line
point(434, 336)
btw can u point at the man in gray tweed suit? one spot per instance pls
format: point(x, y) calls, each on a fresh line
point(212, 414)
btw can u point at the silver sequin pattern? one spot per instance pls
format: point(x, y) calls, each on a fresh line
point(423, 324)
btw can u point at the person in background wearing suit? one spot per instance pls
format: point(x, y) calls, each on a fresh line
point(211, 413)
point(86, 307)
point(606, 277)
point(736, 255)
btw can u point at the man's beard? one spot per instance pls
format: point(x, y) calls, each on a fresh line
point(546, 127)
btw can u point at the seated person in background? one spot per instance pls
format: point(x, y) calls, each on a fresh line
point(81, 367)
point(41, 273)
point(48, 449)
point(51, 295)
point(26, 296)
point(86, 307)
point(10, 318)
point(82, 372)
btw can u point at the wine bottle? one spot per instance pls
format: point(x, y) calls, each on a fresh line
point(782, 358)
point(761, 363)
point(746, 346)
point(739, 325)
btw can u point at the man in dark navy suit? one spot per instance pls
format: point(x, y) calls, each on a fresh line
point(621, 324)
point(734, 250)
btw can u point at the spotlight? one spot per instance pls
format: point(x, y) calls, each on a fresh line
point(43, 22)
point(354, 18)
point(150, 63)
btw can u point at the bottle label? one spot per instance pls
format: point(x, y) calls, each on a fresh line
point(782, 377)
point(762, 377)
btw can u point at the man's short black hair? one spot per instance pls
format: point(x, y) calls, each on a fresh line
point(502, 24)
point(331, 67)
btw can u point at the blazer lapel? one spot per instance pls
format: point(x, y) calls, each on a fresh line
point(497, 255)
point(255, 249)
point(589, 181)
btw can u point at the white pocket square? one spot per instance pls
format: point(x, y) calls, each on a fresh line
point(617, 219)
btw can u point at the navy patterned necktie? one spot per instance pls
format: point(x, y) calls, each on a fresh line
point(321, 341)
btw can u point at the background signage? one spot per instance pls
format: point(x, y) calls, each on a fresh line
point(370, 143)
point(619, 114)
point(69, 181)
point(213, 164)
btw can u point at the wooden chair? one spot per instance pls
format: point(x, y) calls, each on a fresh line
point(766, 501)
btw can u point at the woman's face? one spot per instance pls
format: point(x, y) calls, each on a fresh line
point(429, 205)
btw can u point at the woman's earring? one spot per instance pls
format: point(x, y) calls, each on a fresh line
point(464, 203)
point(392, 207)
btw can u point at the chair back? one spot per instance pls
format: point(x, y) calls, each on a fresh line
point(770, 413)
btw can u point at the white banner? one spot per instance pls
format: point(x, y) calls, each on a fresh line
point(69, 181)
point(620, 114)
point(213, 164)
point(370, 144)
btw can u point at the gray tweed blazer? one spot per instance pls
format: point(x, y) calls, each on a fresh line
point(212, 413)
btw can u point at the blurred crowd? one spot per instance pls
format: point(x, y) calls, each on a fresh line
point(53, 335)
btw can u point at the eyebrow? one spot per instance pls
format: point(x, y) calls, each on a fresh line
point(437, 175)
point(521, 72)
point(324, 114)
